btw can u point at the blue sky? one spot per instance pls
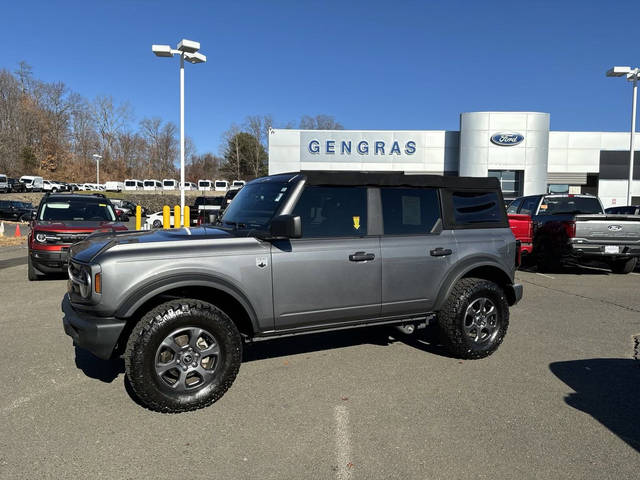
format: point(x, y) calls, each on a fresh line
point(373, 65)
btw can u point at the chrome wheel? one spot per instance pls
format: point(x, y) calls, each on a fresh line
point(481, 323)
point(187, 359)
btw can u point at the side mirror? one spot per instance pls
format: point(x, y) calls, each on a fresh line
point(286, 226)
point(33, 215)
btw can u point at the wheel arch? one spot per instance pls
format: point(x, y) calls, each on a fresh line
point(484, 268)
point(227, 297)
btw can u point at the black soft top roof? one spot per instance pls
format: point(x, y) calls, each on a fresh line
point(397, 179)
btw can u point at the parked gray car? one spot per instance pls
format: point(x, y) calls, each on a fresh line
point(293, 254)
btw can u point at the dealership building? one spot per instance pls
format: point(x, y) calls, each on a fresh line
point(516, 147)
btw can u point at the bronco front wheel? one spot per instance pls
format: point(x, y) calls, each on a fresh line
point(183, 355)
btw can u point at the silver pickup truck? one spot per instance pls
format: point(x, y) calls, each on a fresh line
point(574, 228)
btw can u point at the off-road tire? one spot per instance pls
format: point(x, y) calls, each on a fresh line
point(32, 274)
point(153, 328)
point(624, 266)
point(548, 259)
point(451, 318)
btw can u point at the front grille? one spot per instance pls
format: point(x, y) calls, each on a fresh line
point(70, 238)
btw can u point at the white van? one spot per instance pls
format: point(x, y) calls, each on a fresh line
point(114, 186)
point(205, 185)
point(32, 183)
point(4, 183)
point(221, 186)
point(237, 185)
point(169, 184)
point(151, 184)
point(133, 184)
point(190, 186)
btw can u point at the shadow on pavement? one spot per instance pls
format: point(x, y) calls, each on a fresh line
point(94, 367)
point(608, 389)
point(314, 342)
point(425, 340)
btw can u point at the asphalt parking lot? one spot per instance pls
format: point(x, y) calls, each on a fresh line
point(558, 400)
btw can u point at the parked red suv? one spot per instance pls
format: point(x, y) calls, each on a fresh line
point(62, 220)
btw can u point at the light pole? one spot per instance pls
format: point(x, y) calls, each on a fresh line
point(97, 158)
point(632, 74)
point(187, 50)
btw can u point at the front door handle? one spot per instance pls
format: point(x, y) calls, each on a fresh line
point(440, 252)
point(361, 257)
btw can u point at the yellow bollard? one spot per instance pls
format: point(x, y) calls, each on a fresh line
point(166, 217)
point(186, 221)
point(176, 216)
point(138, 217)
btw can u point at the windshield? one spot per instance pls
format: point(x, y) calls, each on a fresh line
point(204, 183)
point(169, 183)
point(238, 184)
point(255, 205)
point(221, 184)
point(129, 183)
point(76, 210)
point(570, 205)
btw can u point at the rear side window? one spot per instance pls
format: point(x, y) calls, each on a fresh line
point(332, 211)
point(409, 211)
point(477, 209)
point(529, 205)
point(513, 206)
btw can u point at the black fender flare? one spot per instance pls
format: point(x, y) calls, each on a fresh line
point(463, 268)
point(148, 290)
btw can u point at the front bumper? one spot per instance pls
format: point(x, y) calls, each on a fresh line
point(48, 261)
point(99, 335)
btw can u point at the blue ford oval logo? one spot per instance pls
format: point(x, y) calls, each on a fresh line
point(507, 139)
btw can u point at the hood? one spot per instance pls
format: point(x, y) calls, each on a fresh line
point(77, 225)
point(86, 250)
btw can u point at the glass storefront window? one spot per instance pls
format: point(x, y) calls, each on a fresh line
point(511, 182)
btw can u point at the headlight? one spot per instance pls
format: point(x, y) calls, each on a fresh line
point(41, 237)
point(85, 283)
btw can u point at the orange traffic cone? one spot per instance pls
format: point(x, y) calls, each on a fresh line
point(17, 234)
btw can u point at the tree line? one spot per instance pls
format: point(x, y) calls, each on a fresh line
point(48, 130)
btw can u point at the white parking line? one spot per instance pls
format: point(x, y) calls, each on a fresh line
point(343, 443)
point(548, 276)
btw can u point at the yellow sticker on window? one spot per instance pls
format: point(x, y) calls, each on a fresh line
point(543, 207)
point(102, 204)
point(356, 223)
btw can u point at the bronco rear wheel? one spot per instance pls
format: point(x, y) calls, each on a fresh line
point(474, 319)
point(183, 355)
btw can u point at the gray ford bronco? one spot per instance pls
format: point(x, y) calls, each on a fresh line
point(293, 254)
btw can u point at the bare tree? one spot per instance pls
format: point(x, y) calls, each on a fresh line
point(320, 122)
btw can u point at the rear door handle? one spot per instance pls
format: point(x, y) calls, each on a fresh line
point(361, 257)
point(440, 252)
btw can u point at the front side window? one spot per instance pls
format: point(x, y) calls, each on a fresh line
point(472, 208)
point(330, 211)
point(76, 210)
point(409, 211)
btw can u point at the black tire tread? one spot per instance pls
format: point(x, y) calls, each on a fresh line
point(624, 266)
point(147, 326)
point(448, 323)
